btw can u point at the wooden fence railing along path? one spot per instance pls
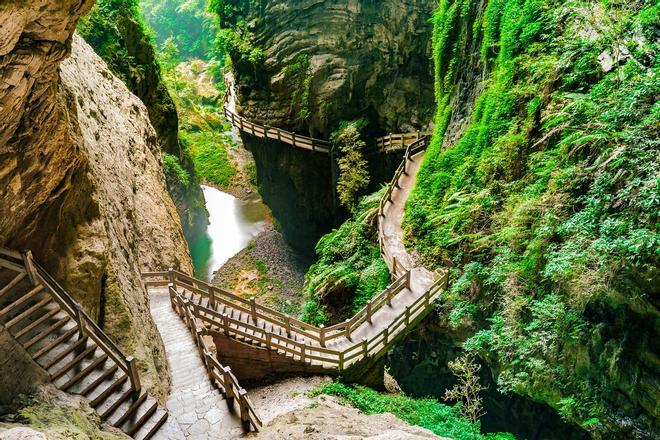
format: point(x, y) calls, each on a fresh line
point(78, 356)
point(389, 143)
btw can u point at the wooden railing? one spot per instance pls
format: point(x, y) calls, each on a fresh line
point(411, 150)
point(266, 132)
point(305, 343)
point(86, 325)
point(219, 374)
point(399, 141)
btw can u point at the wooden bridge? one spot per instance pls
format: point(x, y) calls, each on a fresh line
point(385, 144)
point(348, 349)
point(72, 350)
point(80, 358)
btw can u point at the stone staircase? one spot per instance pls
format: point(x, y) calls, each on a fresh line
point(77, 355)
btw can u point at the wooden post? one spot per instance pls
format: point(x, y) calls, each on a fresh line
point(172, 291)
point(385, 335)
point(225, 323)
point(229, 389)
point(288, 326)
point(322, 336)
point(240, 121)
point(348, 329)
point(170, 275)
point(253, 310)
point(245, 415)
point(369, 311)
point(80, 320)
point(198, 340)
point(133, 373)
point(341, 360)
point(365, 349)
point(209, 368)
point(393, 270)
point(279, 135)
point(302, 353)
point(408, 279)
point(265, 132)
point(313, 147)
point(212, 297)
point(426, 298)
point(407, 316)
point(269, 341)
point(29, 267)
point(293, 138)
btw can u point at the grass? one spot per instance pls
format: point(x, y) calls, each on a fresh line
point(442, 419)
point(208, 150)
point(348, 260)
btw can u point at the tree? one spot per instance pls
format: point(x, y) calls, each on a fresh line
point(467, 389)
point(353, 172)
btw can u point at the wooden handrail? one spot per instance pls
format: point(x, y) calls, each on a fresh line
point(266, 132)
point(86, 325)
point(222, 376)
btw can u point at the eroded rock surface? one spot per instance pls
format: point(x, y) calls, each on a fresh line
point(81, 182)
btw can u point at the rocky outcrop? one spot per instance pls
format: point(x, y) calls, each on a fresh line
point(121, 30)
point(81, 180)
point(327, 61)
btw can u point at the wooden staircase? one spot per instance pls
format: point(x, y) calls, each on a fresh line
point(79, 357)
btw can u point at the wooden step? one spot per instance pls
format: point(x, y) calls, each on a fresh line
point(73, 362)
point(117, 403)
point(62, 354)
point(105, 393)
point(21, 300)
point(130, 411)
point(99, 380)
point(85, 371)
point(17, 279)
point(18, 318)
point(46, 332)
point(34, 324)
point(154, 429)
point(55, 342)
point(135, 427)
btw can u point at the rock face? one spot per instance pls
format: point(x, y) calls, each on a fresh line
point(142, 75)
point(327, 61)
point(81, 182)
point(14, 359)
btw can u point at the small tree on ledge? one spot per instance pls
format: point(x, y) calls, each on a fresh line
point(353, 172)
point(467, 389)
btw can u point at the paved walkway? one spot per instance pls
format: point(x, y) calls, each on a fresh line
point(197, 409)
point(391, 224)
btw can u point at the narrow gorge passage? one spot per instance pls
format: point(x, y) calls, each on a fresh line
point(198, 410)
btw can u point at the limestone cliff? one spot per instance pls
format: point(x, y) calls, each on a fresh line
point(314, 64)
point(117, 35)
point(81, 182)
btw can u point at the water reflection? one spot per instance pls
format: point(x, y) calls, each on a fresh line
point(232, 224)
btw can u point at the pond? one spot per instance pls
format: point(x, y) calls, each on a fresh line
point(232, 224)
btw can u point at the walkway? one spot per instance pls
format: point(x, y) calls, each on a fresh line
point(197, 408)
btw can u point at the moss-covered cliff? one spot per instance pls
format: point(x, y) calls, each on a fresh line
point(116, 32)
point(540, 190)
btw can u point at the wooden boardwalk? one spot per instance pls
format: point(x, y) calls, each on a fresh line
point(384, 144)
point(72, 350)
point(339, 349)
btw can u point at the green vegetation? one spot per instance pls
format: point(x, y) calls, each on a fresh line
point(349, 265)
point(234, 38)
point(299, 79)
point(185, 23)
point(173, 169)
point(208, 150)
point(353, 167)
point(443, 420)
point(548, 203)
point(57, 420)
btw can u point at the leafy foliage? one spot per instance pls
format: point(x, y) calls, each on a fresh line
point(299, 79)
point(347, 260)
point(443, 420)
point(548, 202)
point(353, 167)
point(186, 23)
point(173, 169)
point(208, 150)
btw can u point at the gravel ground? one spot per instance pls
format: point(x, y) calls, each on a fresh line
point(267, 269)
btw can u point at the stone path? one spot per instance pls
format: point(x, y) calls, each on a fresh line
point(197, 409)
